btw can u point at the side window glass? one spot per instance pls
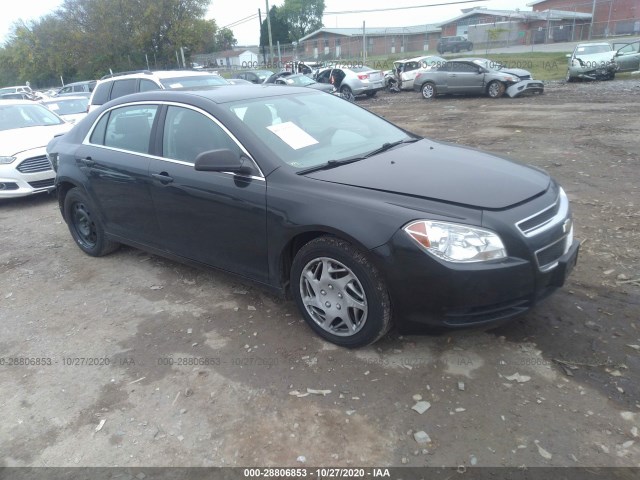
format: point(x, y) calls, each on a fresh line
point(129, 128)
point(148, 85)
point(97, 136)
point(101, 94)
point(123, 87)
point(188, 133)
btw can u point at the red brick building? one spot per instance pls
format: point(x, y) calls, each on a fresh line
point(610, 17)
point(347, 43)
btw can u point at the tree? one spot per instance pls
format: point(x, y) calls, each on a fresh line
point(224, 40)
point(279, 28)
point(302, 17)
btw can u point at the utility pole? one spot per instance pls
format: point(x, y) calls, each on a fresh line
point(269, 28)
point(264, 56)
point(593, 12)
point(364, 44)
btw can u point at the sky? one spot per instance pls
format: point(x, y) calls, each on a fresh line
point(248, 33)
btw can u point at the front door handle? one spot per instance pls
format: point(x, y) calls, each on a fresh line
point(163, 177)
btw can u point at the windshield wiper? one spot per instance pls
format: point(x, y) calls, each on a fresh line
point(330, 164)
point(337, 163)
point(388, 146)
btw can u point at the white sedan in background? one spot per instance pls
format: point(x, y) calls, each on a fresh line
point(25, 129)
point(70, 108)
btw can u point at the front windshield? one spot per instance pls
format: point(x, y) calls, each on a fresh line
point(590, 49)
point(306, 130)
point(23, 116)
point(193, 81)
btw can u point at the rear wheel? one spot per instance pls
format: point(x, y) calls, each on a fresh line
point(495, 89)
point(347, 93)
point(371, 94)
point(85, 225)
point(428, 91)
point(341, 294)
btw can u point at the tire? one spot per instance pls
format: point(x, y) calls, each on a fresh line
point(347, 304)
point(495, 89)
point(568, 78)
point(470, 47)
point(428, 91)
point(85, 225)
point(612, 76)
point(371, 94)
point(347, 93)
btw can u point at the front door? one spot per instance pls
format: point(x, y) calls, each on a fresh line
point(211, 217)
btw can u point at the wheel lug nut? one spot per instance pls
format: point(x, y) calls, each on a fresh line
point(330, 287)
point(327, 304)
point(323, 292)
point(338, 306)
point(339, 295)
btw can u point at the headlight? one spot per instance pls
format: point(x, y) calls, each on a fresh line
point(456, 243)
point(7, 160)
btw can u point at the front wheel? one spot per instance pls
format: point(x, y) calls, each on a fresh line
point(568, 78)
point(495, 89)
point(341, 294)
point(428, 91)
point(85, 225)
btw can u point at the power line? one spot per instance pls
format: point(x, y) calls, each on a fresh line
point(403, 8)
point(241, 21)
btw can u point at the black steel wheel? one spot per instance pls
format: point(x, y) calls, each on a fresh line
point(341, 294)
point(85, 226)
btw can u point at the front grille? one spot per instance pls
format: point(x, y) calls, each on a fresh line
point(8, 186)
point(42, 183)
point(35, 165)
point(539, 219)
point(548, 256)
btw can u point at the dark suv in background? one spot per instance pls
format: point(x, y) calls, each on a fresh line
point(453, 44)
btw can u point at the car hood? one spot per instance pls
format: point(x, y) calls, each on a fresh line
point(518, 72)
point(443, 172)
point(597, 57)
point(19, 140)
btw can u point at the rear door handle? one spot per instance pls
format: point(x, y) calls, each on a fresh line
point(88, 161)
point(163, 177)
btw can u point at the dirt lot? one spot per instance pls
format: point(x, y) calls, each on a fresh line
point(192, 368)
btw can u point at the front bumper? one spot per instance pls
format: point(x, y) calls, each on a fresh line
point(600, 72)
point(427, 291)
point(525, 87)
point(30, 173)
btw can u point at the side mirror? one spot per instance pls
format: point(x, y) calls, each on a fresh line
point(222, 160)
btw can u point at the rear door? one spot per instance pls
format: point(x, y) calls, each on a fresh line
point(214, 218)
point(115, 160)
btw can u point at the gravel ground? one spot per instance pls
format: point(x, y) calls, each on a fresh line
point(134, 360)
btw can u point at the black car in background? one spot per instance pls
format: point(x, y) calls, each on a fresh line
point(453, 44)
point(361, 222)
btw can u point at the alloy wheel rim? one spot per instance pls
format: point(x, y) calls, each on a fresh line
point(333, 297)
point(427, 91)
point(494, 88)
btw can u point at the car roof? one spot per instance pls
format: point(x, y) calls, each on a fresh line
point(162, 74)
point(219, 94)
point(593, 43)
point(65, 97)
point(80, 83)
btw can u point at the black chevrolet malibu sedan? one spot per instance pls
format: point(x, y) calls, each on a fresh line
point(362, 222)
